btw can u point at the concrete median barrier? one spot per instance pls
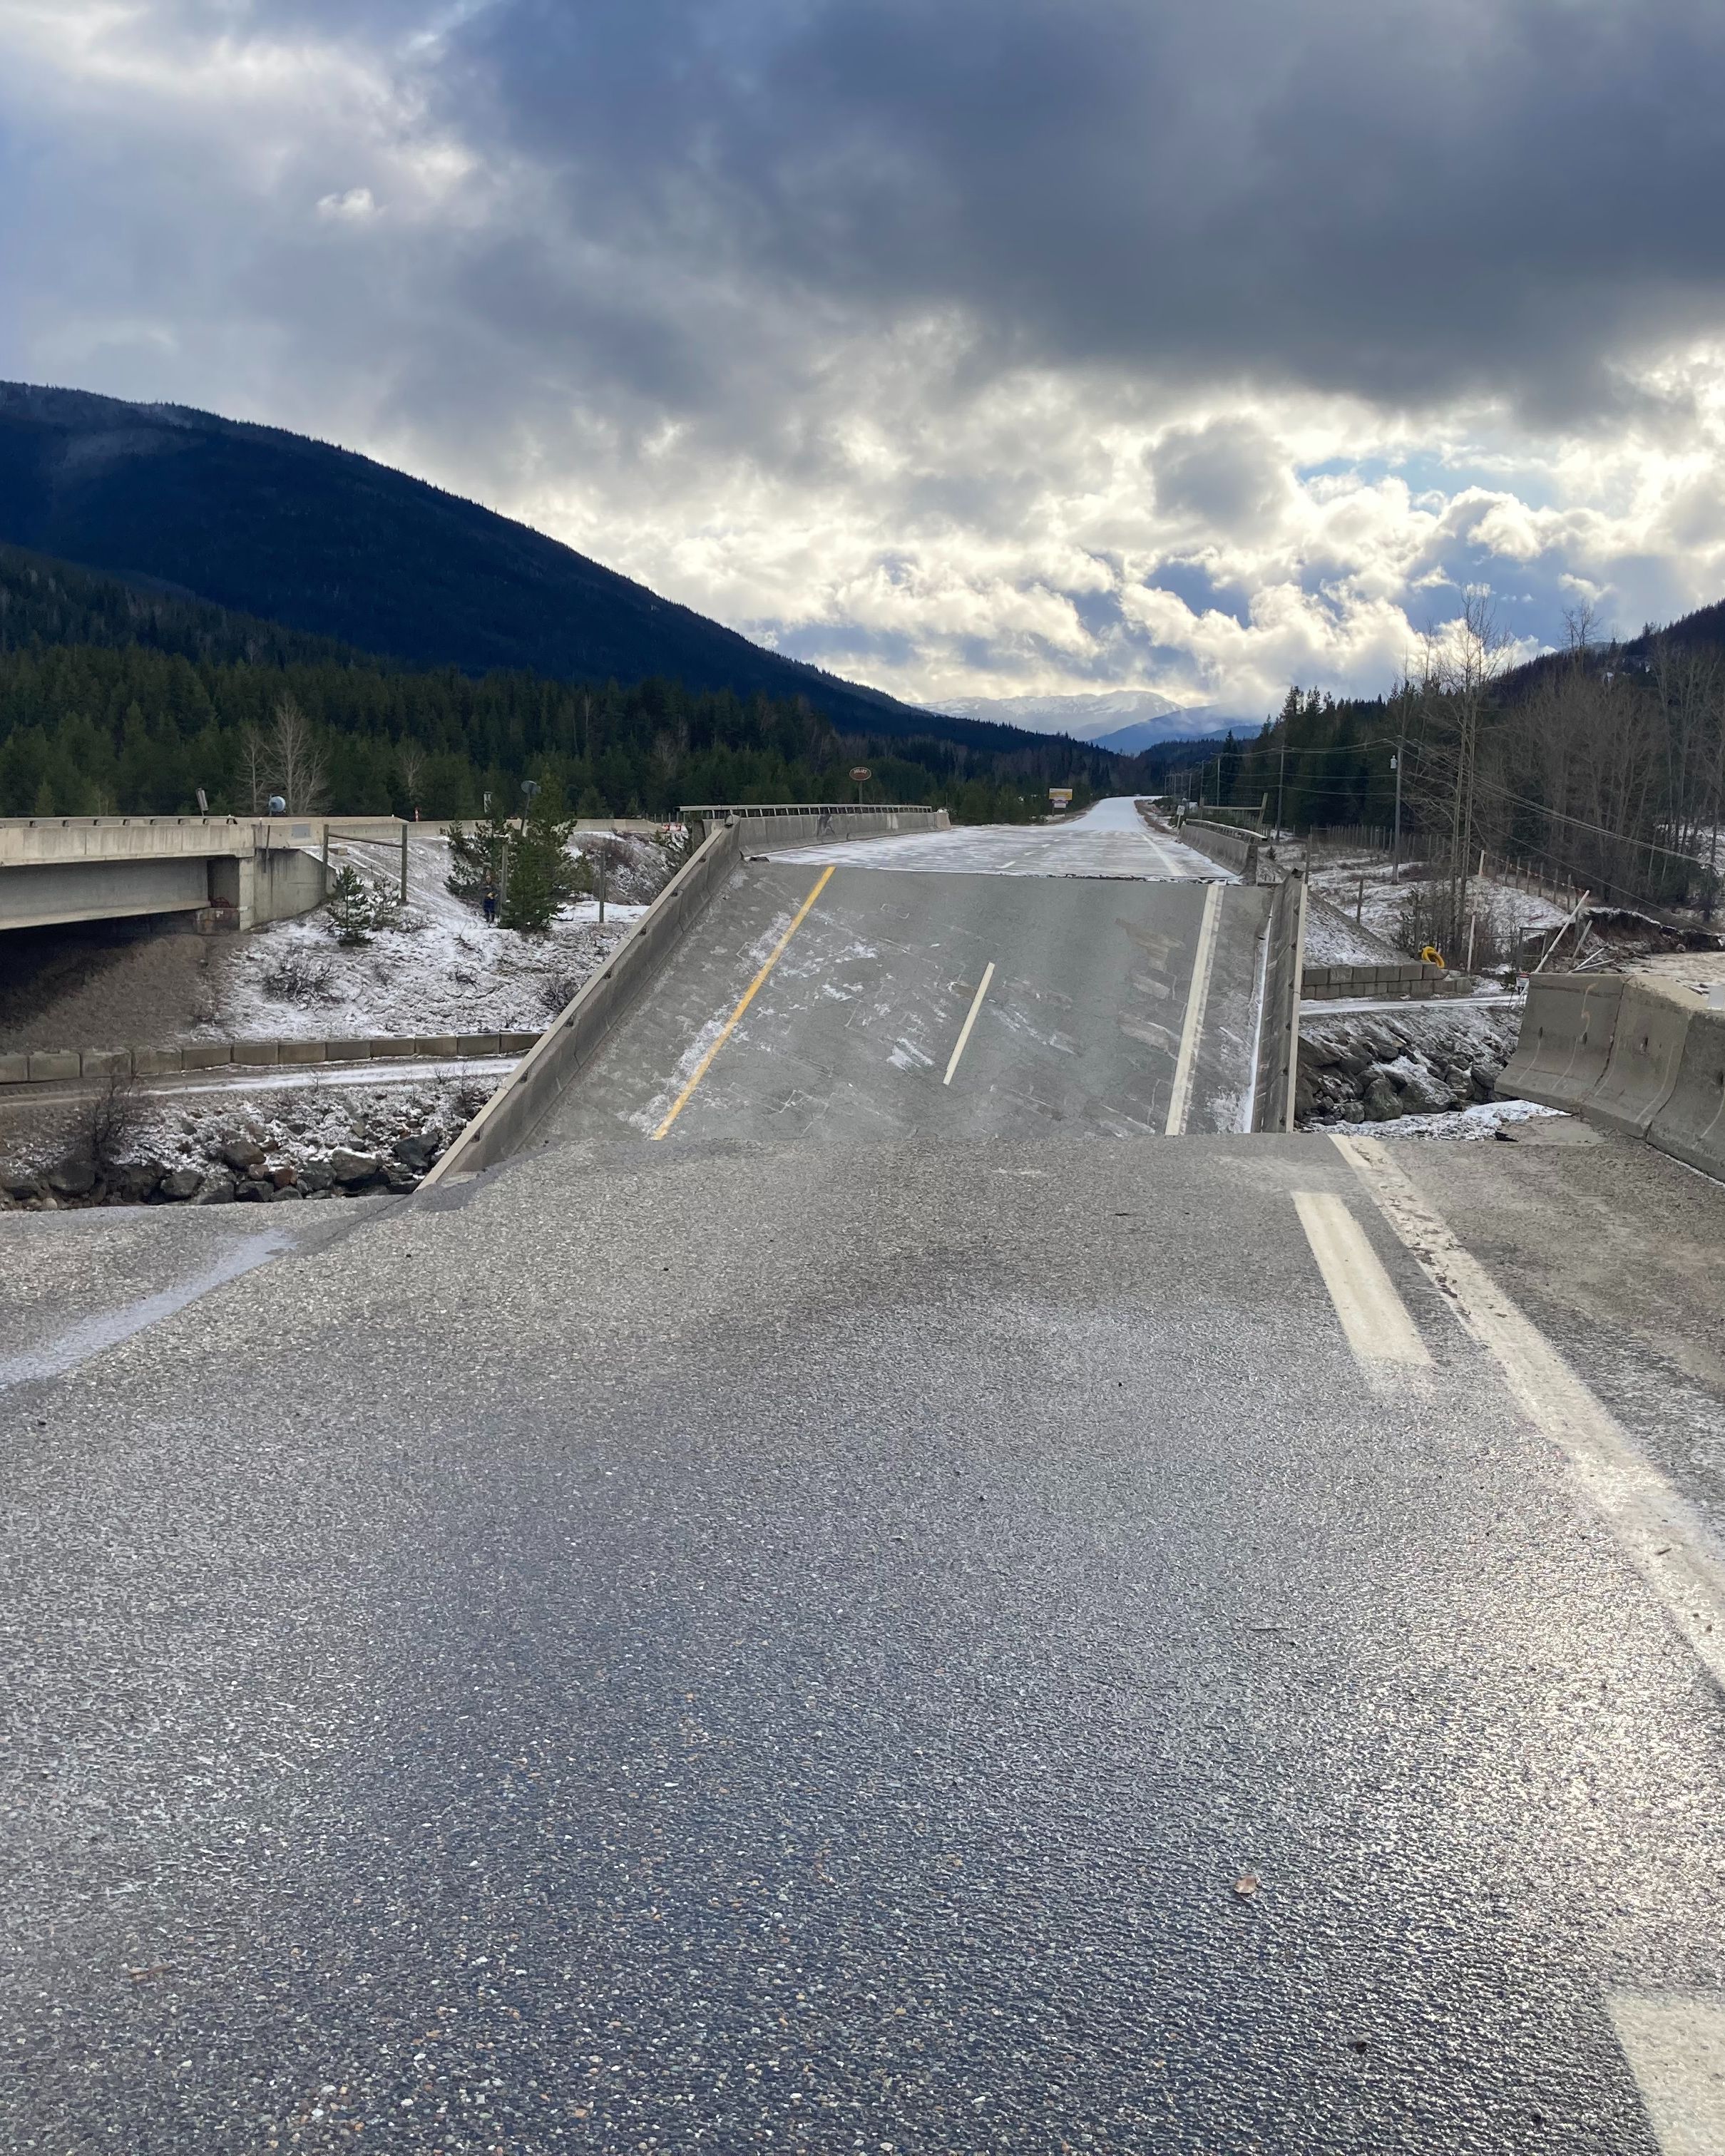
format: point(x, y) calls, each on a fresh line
point(1690, 1123)
point(1642, 1058)
point(532, 1090)
point(1566, 1039)
point(1646, 1049)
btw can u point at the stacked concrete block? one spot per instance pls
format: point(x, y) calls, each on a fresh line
point(1400, 982)
point(45, 1066)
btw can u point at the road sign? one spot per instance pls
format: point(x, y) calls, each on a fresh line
point(862, 774)
point(1061, 797)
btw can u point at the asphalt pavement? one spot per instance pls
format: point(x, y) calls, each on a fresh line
point(1092, 984)
point(1093, 977)
point(930, 1646)
point(965, 1641)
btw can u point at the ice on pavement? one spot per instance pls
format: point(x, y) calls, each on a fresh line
point(1110, 839)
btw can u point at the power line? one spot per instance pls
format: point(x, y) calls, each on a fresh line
point(1598, 830)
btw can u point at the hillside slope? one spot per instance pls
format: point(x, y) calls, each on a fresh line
point(327, 543)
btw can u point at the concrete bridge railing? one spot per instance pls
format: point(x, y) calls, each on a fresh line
point(814, 823)
point(509, 1119)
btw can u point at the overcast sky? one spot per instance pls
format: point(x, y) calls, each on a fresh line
point(966, 346)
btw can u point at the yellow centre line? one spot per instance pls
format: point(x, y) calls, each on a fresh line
point(748, 996)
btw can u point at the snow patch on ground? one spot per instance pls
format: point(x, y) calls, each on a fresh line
point(1361, 881)
point(1484, 1119)
point(442, 970)
point(1333, 938)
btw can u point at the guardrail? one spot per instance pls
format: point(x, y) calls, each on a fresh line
point(1642, 1059)
point(1278, 1058)
point(539, 1079)
point(41, 1066)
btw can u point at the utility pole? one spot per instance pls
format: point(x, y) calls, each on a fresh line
point(1395, 850)
point(1281, 777)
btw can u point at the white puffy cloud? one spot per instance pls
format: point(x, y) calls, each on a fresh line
point(985, 349)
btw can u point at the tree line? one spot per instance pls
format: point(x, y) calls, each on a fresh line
point(1602, 764)
point(89, 729)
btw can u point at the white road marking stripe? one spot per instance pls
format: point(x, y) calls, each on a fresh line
point(1372, 1315)
point(975, 1004)
point(1185, 1064)
point(1657, 1529)
point(1676, 2048)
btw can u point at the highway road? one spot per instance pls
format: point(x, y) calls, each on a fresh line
point(963, 984)
point(954, 1644)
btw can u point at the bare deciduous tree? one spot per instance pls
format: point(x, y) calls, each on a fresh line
point(410, 762)
point(295, 765)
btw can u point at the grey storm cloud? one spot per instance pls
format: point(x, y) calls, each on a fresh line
point(1036, 338)
point(1403, 200)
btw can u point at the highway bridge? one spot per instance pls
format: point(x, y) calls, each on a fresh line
point(882, 1567)
point(234, 872)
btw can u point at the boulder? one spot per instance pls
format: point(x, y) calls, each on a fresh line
point(415, 1152)
point(397, 1178)
point(1423, 1093)
point(242, 1155)
point(252, 1190)
point(1382, 1100)
point(72, 1179)
point(22, 1185)
point(349, 1169)
point(282, 1177)
point(178, 1184)
point(217, 1189)
point(285, 1190)
point(1485, 1075)
point(136, 1182)
point(316, 1178)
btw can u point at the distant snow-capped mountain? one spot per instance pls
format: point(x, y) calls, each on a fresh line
point(1123, 719)
point(1085, 717)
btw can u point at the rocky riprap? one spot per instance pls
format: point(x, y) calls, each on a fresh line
point(1371, 1068)
point(243, 1174)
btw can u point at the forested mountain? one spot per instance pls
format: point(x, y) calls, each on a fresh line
point(320, 540)
point(114, 700)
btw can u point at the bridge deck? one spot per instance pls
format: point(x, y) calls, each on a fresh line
point(1080, 1027)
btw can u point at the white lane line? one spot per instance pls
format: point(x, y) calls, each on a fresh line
point(975, 1004)
point(1675, 2047)
point(1372, 1315)
point(1197, 996)
point(1658, 1530)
